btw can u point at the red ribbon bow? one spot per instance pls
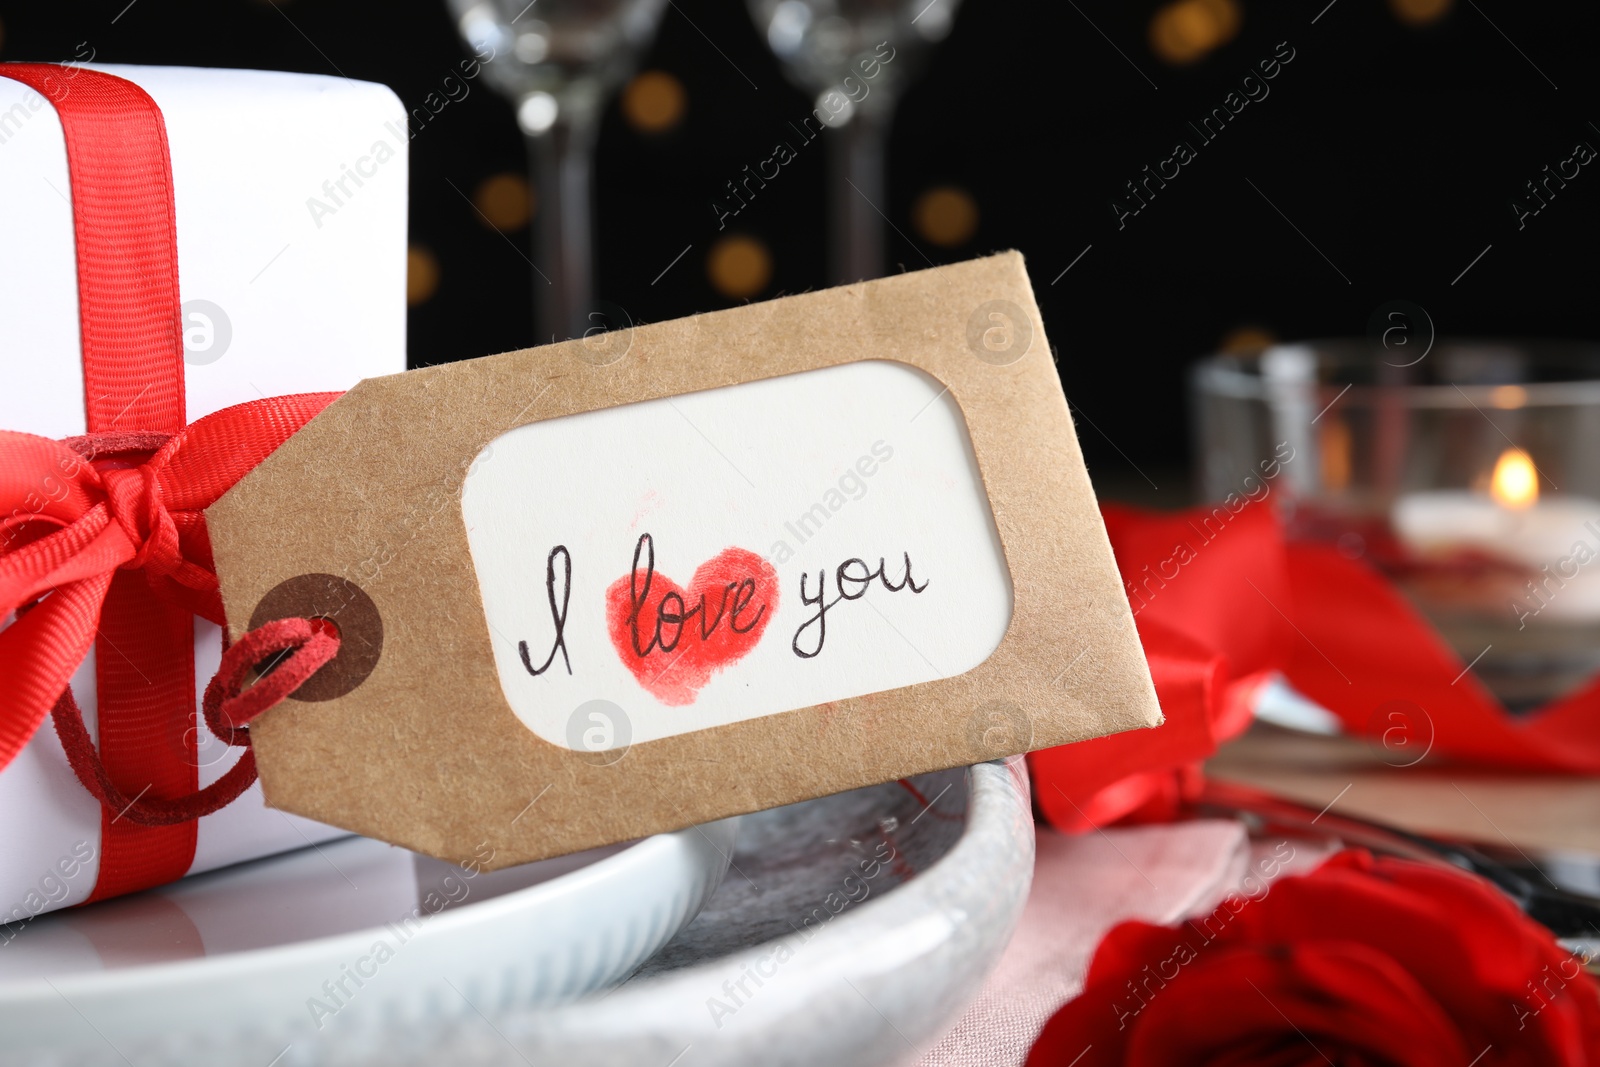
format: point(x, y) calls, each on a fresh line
point(69, 525)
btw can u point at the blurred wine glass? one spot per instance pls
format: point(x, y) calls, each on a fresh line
point(557, 62)
point(863, 52)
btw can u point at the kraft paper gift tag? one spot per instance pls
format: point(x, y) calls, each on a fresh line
point(639, 580)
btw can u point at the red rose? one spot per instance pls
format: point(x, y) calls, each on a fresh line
point(1363, 962)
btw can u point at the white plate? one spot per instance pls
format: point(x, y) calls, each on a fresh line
point(344, 936)
point(803, 957)
point(769, 974)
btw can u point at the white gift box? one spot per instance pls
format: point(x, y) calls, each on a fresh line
point(280, 295)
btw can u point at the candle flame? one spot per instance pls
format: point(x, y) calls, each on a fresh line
point(1515, 483)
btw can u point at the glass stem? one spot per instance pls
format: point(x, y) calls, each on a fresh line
point(857, 195)
point(562, 161)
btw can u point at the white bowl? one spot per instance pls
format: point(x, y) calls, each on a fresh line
point(346, 936)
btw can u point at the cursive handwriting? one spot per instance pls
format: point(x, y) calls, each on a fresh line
point(852, 572)
point(558, 615)
point(672, 611)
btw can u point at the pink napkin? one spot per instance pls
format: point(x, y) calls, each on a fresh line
point(1082, 887)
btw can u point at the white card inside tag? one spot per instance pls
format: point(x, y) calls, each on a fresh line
point(676, 564)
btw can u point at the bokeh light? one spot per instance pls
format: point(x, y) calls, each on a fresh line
point(506, 201)
point(1184, 31)
point(1420, 12)
point(654, 102)
point(946, 216)
point(422, 274)
point(739, 266)
point(1246, 340)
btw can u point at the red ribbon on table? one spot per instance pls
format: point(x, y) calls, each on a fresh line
point(1224, 602)
point(1362, 645)
point(1208, 651)
point(95, 546)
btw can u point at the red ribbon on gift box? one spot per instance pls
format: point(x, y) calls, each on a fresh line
point(103, 537)
point(1223, 603)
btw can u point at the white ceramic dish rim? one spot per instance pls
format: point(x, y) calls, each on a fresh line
point(641, 854)
point(654, 1019)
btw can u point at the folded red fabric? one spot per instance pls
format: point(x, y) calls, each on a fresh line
point(1362, 646)
point(1223, 602)
point(1202, 588)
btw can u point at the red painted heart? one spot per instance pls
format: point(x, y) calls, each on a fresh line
point(674, 640)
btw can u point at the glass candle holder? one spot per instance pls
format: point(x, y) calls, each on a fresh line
point(1470, 477)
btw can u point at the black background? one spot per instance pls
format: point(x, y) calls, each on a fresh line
point(1389, 152)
